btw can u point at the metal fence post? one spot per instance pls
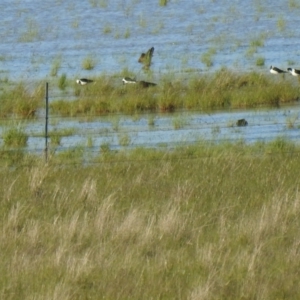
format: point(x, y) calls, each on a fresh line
point(46, 124)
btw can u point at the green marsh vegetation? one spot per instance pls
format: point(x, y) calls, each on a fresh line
point(200, 222)
point(19, 101)
point(179, 121)
point(14, 136)
point(260, 61)
point(88, 63)
point(223, 89)
point(56, 65)
point(57, 135)
point(281, 24)
point(163, 2)
point(62, 81)
point(31, 32)
point(207, 57)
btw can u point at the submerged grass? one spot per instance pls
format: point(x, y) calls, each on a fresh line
point(201, 222)
point(219, 90)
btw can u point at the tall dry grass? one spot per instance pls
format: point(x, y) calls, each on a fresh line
point(199, 223)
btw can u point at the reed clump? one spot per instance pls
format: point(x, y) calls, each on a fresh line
point(21, 102)
point(88, 63)
point(200, 222)
point(14, 137)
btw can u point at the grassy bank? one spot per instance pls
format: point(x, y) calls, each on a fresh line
point(202, 222)
point(223, 89)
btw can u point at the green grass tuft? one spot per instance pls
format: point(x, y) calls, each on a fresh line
point(260, 61)
point(88, 63)
point(20, 102)
point(62, 82)
point(15, 137)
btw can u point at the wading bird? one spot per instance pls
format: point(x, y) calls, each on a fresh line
point(83, 81)
point(145, 84)
point(274, 70)
point(294, 72)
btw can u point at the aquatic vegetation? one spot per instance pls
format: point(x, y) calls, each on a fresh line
point(89, 142)
point(151, 120)
point(56, 135)
point(163, 2)
point(14, 137)
point(55, 139)
point(260, 61)
point(72, 155)
point(127, 33)
point(124, 139)
point(62, 82)
point(290, 122)
point(179, 122)
point(207, 57)
point(281, 24)
point(30, 33)
point(104, 148)
point(55, 67)
point(107, 29)
point(293, 4)
point(21, 102)
point(88, 63)
point(258, 42)
point(142, 21)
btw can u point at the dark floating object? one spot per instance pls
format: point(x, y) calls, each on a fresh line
point(83, 81)
point(144, 84)
point(241, 122)
point(294, 72)
point(146, 58)
point(274, 70)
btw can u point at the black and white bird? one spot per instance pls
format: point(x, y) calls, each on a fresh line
point(145, 84)
point(294, 72)
point(129, 80)
point(274, 70)
point(83, 81)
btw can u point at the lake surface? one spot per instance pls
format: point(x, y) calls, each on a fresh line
point(37, 34)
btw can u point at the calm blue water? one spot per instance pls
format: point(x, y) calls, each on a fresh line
point(36, 33)
point(163, 131)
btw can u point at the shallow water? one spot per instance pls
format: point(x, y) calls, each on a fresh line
point(169, 130)
point(35, 33)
